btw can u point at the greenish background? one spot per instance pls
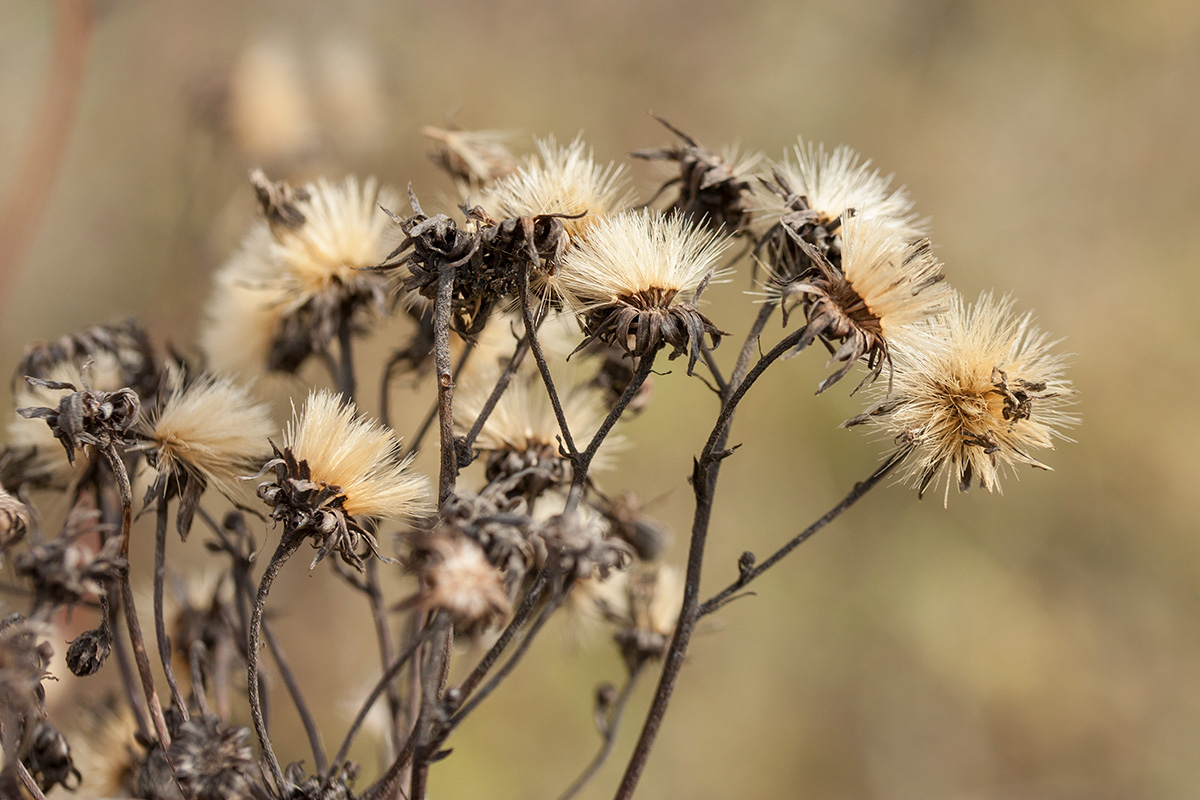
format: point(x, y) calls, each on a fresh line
point(1043, 644)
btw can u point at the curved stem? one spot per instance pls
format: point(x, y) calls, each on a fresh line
point(347, 384)
point(136, 640)
point(288, 546)
point(704, 480)
point(612, 725)
point(160, 625)
point(520, 616)
point(385, 681)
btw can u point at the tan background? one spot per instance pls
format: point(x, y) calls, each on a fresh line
point(1043, 644)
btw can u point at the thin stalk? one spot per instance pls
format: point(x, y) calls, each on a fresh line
point(427, 423)
point(432, 682)
point(347, 384)
point(384, 635)
point(35, 793)
point(498, 390)
point(544, 368)
point(445, 377)
point(197, 660)
point(748, 575)
point(288, 546)
point(160, 624)
point(520, 616)
point(136, 640)
point(612, 726)
point(704, 480)
point(386, 680)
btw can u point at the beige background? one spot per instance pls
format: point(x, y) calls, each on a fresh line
point(1043, 644)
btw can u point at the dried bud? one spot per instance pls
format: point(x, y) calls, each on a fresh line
point(87, 653)
point(212, 762)
point(86, 416)
point(48, 758)
point(64, 572)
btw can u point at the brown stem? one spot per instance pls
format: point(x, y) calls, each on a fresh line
point(612, 725)
point(288, 546)
point(751, 573)
point(136, 640)
point(704, 481)
point(445, 378)
point(160, 625)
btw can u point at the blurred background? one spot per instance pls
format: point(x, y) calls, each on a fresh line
point(1043, 644)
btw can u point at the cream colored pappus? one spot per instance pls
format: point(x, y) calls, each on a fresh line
point(976, 393)
point(212, 428)
point(834, 182)
point(357, 455)
point(561, 180)
point(660, 260)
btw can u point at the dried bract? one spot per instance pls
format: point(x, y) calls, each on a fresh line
point(976, 391)
point(636, 279)
point(713, 191)
point(212, 761)
point(336, 470)
point(883, 286)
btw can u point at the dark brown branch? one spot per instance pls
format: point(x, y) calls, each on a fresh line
point(611, 726)
point(160, 624)
point(750, 574)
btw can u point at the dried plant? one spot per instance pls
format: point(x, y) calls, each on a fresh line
point(541, 313)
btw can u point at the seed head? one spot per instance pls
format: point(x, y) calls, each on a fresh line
point(211, 761)
point(207, 432)
point(563, 180)
point(456, 576)
point(335, 470)
point(474, 159)
point(976, 392)
point(636, 279)
point(884, 285)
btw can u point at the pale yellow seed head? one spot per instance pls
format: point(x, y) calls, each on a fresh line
point(834, 182)
point(212, 428)
point(358, 455)
point(562, 180)
point(979, 378)
point(639, 253)
point(900, 282)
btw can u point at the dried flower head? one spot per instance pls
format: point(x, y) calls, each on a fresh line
point(521, 436)
point(498, 524)
point(86, 416)
point(806, 201)
point(24, 657)
point(301, 273)
point(563, 181)
point(208, 431)
point(33, 455)
point(654, 597)
point(976, 392)
point(714, 189)
point(48, 757)
point(63, 572)
point(474, 159)
point(457, 577)
point(336, 470)
point(636, 279)
point(211, 761)
point(884, 285)
point(242, 315)
point(577, 545)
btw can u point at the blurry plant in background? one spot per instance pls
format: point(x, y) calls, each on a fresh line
point(544, 307)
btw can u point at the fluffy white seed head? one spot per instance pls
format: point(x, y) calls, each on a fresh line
point(212, 428)
point(977, 392)
point(358, 455)
point(834, 182)
point(562, 180)
point(638, 253)
point(900, 282)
